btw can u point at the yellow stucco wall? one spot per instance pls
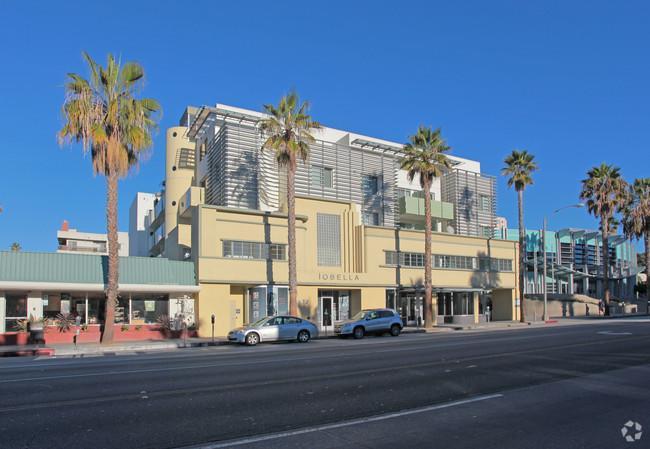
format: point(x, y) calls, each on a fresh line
point(224, 280)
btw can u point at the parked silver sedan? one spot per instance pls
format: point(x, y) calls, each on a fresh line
point(274, 328)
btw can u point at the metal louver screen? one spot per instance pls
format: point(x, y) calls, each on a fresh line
point(329, 240)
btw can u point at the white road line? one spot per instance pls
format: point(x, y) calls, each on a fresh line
point(353, 422)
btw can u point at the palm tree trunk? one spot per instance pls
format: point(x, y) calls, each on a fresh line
point(428, 299)
point(646, 241)
point(113, 258)
point(605, 232)
point(291, 239)
point(522, 254)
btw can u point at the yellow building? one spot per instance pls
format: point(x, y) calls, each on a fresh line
point(359, 238)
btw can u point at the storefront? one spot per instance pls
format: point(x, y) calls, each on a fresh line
point(267, 300)
point(50, 289)
point(333, 306)
point(453, 306)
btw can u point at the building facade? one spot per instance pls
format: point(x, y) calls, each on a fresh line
point(360, 239)
point(574, 263)
point(141, 210)
point(72, 241)
point(34, 286)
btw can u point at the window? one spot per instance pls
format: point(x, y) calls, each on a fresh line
point(291, 320)
point(455, 262)
point(371, 218)
point(487, 264)
point(320, 176)
point(254, 250)
point(16, 310)
point(385, 314)
point(371, 184)
point(486, 231)
point(329, 240)
point(148, 309)
point(485, 203)
point(405, 259)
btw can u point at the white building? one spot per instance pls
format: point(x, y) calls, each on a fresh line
point(141, 209)
point(73, 241)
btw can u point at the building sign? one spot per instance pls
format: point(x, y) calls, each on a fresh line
point(338, 276)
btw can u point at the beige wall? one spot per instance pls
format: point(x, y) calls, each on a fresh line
point(224, 281)
point(177, 182)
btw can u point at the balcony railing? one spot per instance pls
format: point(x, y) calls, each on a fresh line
point(414, 207)
point(84, 249)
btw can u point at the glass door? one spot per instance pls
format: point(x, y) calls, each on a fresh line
point(326, 312)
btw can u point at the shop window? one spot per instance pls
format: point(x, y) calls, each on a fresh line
point(15, 310)
point(148, 309)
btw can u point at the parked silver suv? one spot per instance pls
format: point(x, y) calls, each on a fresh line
point(371, 321)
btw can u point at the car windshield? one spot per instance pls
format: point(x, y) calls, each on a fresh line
point(259, 322)
point(360, 315)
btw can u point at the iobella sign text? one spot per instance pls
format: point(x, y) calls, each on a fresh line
point(338, 276)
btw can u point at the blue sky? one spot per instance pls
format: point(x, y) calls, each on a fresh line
point(567, 80)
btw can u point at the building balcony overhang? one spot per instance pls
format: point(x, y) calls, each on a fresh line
point(412, 209)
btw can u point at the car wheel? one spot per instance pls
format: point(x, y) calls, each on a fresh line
point(395, 330)
point(359, 332)
point(303, 336)
point(252, 339)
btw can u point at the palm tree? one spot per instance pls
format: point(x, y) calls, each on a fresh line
point(636, 215)
point(15, 247)
point(104, 115)
point(288, 131)
point(605, 193)
point(519, 168)
point(424, 156)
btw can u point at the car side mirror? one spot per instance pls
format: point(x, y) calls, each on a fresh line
point(368, 318)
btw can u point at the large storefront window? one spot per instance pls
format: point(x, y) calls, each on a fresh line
point(267, 300)
point(455, 303)
point(147, 309)
point(16, 310)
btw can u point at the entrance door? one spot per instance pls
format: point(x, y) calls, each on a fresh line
point(327, 313)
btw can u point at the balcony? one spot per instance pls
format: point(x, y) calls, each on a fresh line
point(411, 208)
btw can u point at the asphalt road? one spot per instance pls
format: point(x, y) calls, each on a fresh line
point(561, 387)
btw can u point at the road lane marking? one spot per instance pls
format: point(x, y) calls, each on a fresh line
point(349, 423)
point(613, 333)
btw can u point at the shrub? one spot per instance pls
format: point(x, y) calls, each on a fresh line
point(64, 322)
point(124, 327)
point(138, 327)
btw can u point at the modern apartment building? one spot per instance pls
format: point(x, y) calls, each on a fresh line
point(75, 242)
point(359, 232)
point(574, 262)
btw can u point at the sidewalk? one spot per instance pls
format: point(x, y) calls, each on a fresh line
point(138, 347)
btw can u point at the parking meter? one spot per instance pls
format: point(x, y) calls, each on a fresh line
point(212, 318)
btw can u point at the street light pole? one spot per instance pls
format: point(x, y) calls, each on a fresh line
point(544, 275)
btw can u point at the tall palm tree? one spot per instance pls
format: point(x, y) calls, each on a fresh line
point(288, 129)
point(605, 193)
point(636, 215)
point(104, 115)
point(519, 168)
point(424, 156)
point(15, 247)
